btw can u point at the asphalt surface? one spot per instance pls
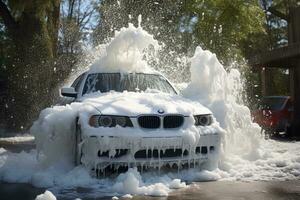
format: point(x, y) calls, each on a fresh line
point(240, 191)
point(223, 190)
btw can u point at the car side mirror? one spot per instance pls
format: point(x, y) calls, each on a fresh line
point(68, 92)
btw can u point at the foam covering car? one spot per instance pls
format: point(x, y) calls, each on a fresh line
point(139, 120)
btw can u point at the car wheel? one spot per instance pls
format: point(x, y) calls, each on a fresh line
point(269, 133)
point(77, 156)
point(288, 129)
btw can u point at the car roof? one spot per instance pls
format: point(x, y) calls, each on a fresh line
point(114, 72)
point(266, 97)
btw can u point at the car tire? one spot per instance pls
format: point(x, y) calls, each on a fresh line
point(288, 129)
point(77, 150)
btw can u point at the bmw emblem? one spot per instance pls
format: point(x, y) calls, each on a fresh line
point(161, 111)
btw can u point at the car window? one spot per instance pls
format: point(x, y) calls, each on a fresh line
point(289, 105)
point(134, 82)
point(76, 84)
point(272, 103)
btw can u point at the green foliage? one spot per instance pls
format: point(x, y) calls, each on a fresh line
point(42, 44)
point(223, 25)
point(159, 17)
point(275, 35)
point(277, 29)
point(279, 84)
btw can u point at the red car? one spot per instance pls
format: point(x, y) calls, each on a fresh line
point(274, 114)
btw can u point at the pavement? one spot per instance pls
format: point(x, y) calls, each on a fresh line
point(17, 144)
point(224, 190)
point(218, 190)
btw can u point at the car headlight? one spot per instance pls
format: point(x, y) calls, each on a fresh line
point(203, 120)
point(110, 121)
point(106, 121)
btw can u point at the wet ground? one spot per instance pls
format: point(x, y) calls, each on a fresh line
point(241, 190)
point(231, 190)
point(223, 190)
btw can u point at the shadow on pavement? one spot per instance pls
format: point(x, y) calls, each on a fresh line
point(13, 191)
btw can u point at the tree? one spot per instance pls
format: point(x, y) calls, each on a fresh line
point(217, 25)
point(44, 44)
point(76, 16)
point(76, 25)
point(3, 81)
point(276, 15)
point(32, 27)
point(275, 35)
point(222, 25)
point(159, 17)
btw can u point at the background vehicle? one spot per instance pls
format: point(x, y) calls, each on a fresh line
point(274, 114)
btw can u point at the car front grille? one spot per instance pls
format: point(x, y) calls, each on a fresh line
point(173, 121)
point(119, 153)
point(153, 122)
point(155, 153)
point(167, 153)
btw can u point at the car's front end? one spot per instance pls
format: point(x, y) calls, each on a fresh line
point(138, 119)
point(182, 134)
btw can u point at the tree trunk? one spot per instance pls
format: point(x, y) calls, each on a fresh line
point(30, 70)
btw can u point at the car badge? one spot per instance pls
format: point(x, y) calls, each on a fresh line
point(160, 111)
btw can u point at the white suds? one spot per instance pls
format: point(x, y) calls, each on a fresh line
point(46, 196)
point(124, 53)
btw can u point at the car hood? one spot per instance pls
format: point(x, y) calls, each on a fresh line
point(134, 104)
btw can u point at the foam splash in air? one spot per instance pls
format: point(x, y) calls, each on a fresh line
point(246, 156)
point(124, 53)
point(212, 86)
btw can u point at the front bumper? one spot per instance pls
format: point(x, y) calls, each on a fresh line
point(100, 152)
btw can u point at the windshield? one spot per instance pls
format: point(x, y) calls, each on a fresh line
point(135, 82)
point(272, 103)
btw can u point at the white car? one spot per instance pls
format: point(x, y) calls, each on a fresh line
point(139, 120)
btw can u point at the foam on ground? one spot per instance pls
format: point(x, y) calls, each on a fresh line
point(46, 196)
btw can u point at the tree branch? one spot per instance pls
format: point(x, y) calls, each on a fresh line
point(278, 13)
point(5, 14)
point(71, 9)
